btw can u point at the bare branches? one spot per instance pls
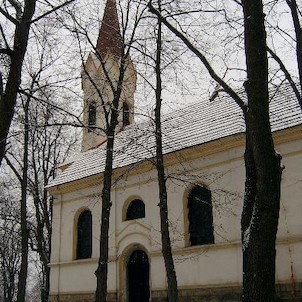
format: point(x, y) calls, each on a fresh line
point(298, 31)
point(8, 16)
point(52, 10)
point(203, 59)
point(17, 7)
point(8, 100)
point(286, 73)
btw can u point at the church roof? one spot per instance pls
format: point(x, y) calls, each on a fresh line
point(110, 38)
point(196, 124)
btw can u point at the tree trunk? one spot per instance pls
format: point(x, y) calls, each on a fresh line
point(260, 216)
point(102, 270)
point(24, 228)
point(298, 31)
point(163, 202)
point(8, 99)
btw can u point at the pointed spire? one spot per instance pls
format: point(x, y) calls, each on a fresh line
point(110, 38)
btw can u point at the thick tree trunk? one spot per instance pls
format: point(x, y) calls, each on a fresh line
point(260, 216)
point(8, 99)
point(163, 201)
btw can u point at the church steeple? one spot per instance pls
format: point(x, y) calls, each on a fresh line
point(110, 38)
point(98, 92)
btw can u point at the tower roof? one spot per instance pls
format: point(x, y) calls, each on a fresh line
point(110, 38)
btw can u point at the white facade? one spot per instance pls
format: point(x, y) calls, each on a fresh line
point(218, 165)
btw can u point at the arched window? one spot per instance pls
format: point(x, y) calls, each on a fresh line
point(84, 235)
point(91, 116)
point(200, 216)
point(136, 209)
point(126, 114)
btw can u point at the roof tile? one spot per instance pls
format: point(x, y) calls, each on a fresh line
point(193, 125)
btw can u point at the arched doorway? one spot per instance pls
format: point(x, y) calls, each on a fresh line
point(138, 277)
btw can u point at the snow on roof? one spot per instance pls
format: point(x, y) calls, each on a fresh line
point(193, 125)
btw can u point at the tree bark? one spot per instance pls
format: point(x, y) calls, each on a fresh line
point(163, 198)
point(260, 216)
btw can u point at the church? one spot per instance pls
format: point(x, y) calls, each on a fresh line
point(203, 152)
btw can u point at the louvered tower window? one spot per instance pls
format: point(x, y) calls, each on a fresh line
point(91, 116)
point(126, 114)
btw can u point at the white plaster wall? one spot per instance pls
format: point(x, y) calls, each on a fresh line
point(289, 262)
point(211, 266)
point(215, 264)
point(56, 230)
point(291, 192)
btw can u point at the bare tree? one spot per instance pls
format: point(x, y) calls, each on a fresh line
point(116, 49)
point(33, 157)
point(163, 196)
point(10, 252)
point(19, 15)
point(263, 171)
point(23, 180)
point(49, 146)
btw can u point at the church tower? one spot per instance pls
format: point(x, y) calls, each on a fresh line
point(101, 68)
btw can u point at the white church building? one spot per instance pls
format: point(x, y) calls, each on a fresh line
point(203, 151)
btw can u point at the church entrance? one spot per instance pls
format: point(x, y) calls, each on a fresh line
point(138, 277)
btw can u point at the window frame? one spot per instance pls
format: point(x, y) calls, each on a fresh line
point(83, 239)
point(200, 225)
point(134, 209)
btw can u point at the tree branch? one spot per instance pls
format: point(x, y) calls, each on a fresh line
point(51, 11)
point(6, 51)
point(4, 38)
point(286, 73)
point(8, 16)
point(17, 6)
point(11, 165)
point(202, 58)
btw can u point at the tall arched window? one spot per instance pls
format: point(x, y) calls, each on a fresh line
point(135, 210)
point(200, 216)
point(126, 114)
point(84, 235)
point(91, 116)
